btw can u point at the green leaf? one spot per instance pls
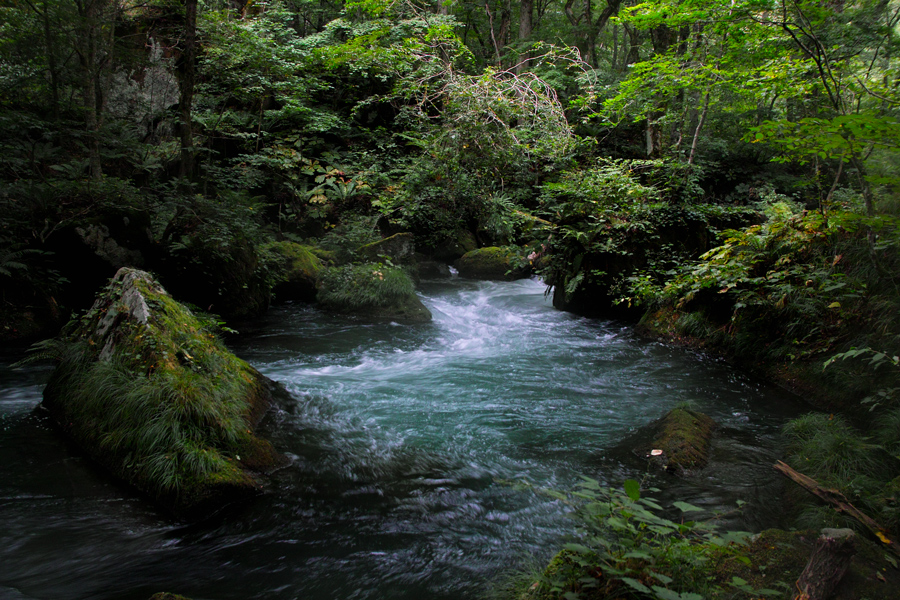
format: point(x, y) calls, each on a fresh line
point(634, 583)
point(633, 489)
point(685, 507)
point(667, 594)
point(578, 548)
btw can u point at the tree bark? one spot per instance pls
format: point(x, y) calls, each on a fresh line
point(186, 100)
point(827, 565)
point(526, 26)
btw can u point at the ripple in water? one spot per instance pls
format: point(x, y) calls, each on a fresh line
point(409, 447)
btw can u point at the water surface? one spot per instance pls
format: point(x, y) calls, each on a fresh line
point(419, 457)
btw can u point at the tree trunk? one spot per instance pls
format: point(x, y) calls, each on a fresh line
point(526, 26)
point(827, 565)
point(699, 127)
point(51, 63)
point(186, 100)
point(89, 12)
point(634, 46)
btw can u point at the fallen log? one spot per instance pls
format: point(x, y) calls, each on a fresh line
point(827, 565)
point(839, 502)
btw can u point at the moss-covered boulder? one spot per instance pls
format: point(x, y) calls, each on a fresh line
point(223, 273)
point(399, 248)
point(297, 271)
point(372, 290)
point(452, 246)
point(681, 442)
point(494, 262)
point(147, 390)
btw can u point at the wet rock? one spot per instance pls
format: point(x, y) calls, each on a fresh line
point(146, 389)
point(495, 262)
point(373, 291)
point(427, 268)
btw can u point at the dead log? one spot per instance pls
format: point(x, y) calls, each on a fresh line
point(827, 565)
point(839, 502)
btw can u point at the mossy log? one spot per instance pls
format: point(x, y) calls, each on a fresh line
point(148, 391)
point(682, 441)
point(494, 263)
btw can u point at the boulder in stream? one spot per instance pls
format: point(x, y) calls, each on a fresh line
point(681, 441)
point(494, 262)
point(374, 291)
point(148, 391)
point(299, 270)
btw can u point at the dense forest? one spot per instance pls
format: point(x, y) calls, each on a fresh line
point(723, 174)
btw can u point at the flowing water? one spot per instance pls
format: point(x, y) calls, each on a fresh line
point(420, 455)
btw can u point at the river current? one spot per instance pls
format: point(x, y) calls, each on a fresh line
point(420, 458)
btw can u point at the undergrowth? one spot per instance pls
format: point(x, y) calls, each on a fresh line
point(369, 285)
point(627, 548)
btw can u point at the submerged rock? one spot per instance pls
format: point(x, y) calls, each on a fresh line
point(494, 262)
point(146, 389)
point(682, 440)
point(374, 291)
point(299, 271)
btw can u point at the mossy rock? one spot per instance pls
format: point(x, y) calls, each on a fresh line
point(494, 262)
point(373, 291)
point(147, 390)
point(399, 248)
point(684, 437)
point(298, 271)
point(454, 245)
point(225, 276)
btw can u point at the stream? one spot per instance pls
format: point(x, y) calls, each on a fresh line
point(420, 456)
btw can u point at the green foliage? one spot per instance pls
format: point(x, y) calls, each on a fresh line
point(793, 284)
point(627, 548)
point(837, 455)
point(353, 288)
point(345, 240)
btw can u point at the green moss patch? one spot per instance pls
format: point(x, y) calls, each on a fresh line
point(147, 390)
point(683, 436)
point(372, 290)
point(495, 262)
